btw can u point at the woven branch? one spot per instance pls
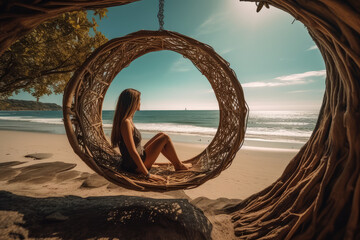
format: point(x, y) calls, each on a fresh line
point(85, 93)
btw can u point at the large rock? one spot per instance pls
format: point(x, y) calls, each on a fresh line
point(121, 217)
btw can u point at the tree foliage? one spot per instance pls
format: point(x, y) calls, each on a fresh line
point(43, 61)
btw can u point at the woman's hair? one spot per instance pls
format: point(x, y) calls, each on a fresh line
point(126, 106)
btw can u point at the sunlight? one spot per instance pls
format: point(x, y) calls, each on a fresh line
point(244, 13)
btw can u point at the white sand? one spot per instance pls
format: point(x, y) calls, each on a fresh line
point(252, 170)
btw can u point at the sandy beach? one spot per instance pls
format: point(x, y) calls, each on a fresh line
point(60, 172)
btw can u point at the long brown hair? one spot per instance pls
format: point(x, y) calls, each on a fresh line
point(126, 106)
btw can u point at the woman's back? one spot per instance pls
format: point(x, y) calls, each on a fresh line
point(128, 163)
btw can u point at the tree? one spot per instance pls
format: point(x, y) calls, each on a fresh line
point(43, 61)
point(318, 195)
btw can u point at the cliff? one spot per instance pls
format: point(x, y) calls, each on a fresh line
point(12, 104)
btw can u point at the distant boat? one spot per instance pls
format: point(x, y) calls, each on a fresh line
point(185, 109)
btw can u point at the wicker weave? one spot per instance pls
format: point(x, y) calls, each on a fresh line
point(84, 95)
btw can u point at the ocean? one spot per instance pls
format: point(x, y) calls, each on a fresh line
point(268, 129)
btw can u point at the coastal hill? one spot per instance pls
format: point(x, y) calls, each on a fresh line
point(12, 104)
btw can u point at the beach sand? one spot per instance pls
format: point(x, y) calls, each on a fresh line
point(60, 172)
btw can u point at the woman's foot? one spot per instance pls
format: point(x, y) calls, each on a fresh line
point(183, 166)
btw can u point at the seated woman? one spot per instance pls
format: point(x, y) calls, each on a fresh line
point(125, 136)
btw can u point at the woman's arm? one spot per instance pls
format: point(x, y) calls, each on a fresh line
point(127, 135)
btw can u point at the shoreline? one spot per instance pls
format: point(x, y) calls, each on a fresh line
point(252, 169)
point(58, 129)
point(268, 129)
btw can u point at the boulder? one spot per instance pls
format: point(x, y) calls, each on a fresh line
point(121, 217)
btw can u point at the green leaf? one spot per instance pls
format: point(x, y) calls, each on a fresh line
point(43, 61)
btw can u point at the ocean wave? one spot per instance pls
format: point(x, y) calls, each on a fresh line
point(255, 138)
point(277, 132)
point(286, 115)
point(257, 132)
point(173, 128)
point(34, 120)
point(290, 129)
point(287, 123)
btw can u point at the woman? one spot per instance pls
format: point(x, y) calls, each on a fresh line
point(125, 136)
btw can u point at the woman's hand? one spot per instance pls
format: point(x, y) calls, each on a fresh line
point(156, 177)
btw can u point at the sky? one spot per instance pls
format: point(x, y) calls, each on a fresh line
point(277, 63)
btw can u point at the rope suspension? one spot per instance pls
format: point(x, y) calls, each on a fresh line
point(161, 15)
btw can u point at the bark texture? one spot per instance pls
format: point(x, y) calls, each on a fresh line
point(318, 195)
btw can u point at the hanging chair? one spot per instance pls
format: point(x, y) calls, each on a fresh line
point(84, 96)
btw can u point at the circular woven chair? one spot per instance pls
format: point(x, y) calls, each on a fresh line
point(84, 95)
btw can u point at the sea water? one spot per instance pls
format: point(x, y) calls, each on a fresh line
point(276, 129)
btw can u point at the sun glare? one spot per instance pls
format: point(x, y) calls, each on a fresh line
point(244, 13)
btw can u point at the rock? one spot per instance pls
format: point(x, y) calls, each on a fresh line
point(83, 176)
point(121, 217)
point(179, 194)
point(11, 226)
point(10, 164)
point(6, 170)
point(41, 172)
point(67, 175)
point(214, 210)
point(94, 181)
point(56, 217)
point(8, 173)
point(39, 156)
point(113, 186)
point(216, 206)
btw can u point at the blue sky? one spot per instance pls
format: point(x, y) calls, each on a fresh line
point(276, 62)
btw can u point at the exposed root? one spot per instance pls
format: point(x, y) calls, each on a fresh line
point(318, 195)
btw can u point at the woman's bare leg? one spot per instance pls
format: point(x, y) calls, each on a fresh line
point(162, 144)
point(170, 153)
point(153, 139)
point(156, 138)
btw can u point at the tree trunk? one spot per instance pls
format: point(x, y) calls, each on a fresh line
point(318, 195)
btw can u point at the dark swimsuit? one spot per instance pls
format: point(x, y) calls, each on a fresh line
point(128, 163)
